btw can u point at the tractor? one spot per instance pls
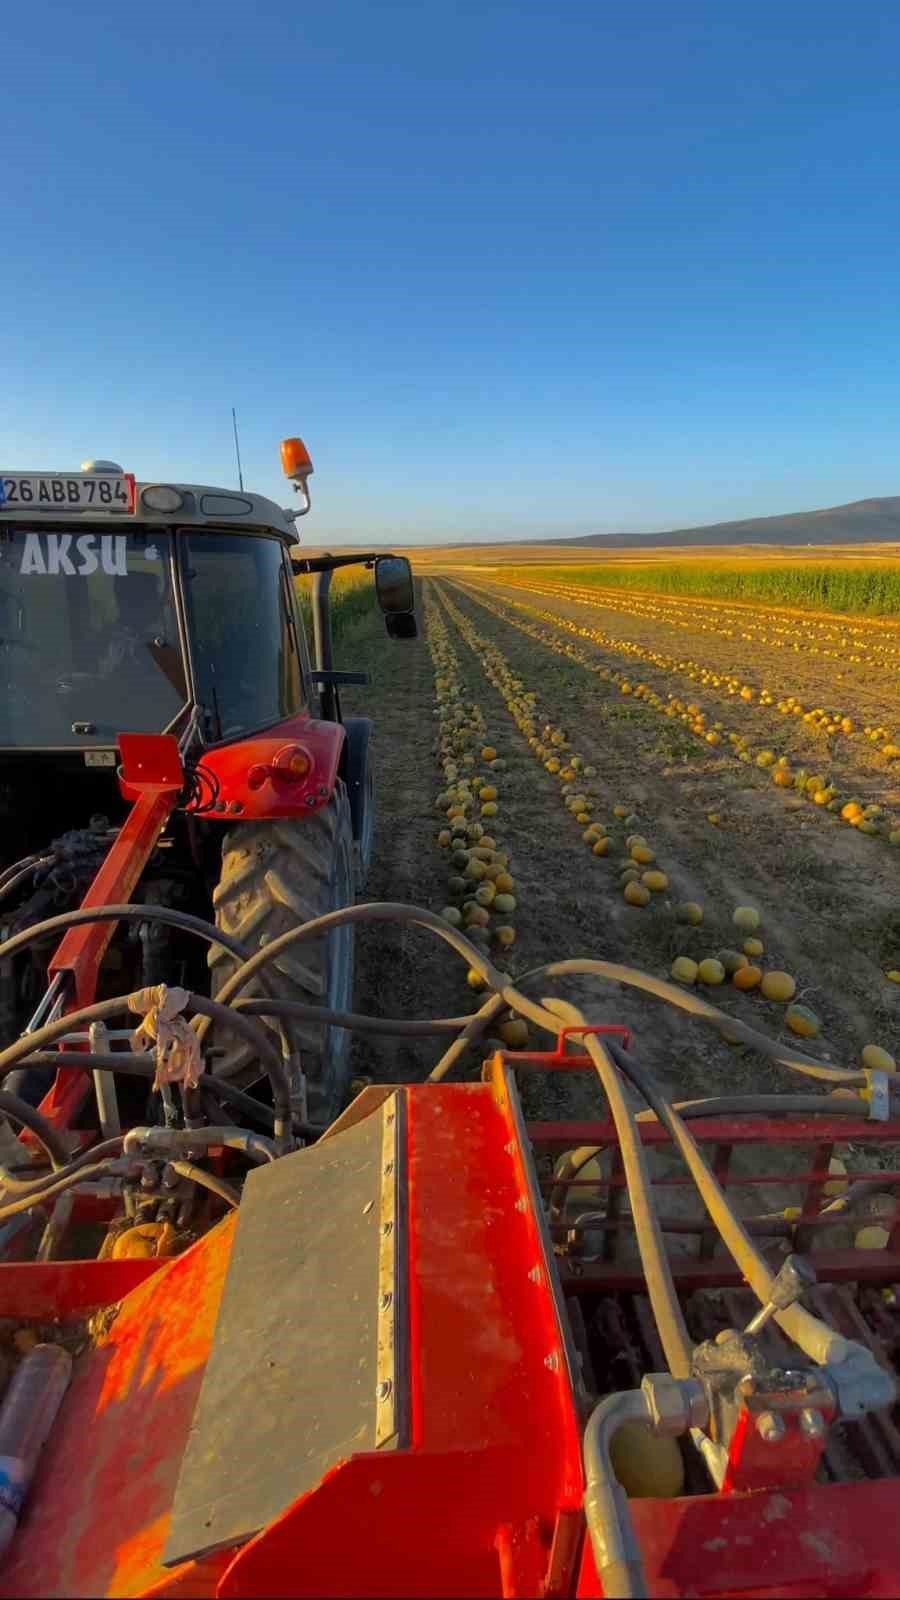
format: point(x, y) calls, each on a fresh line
point(148, 608)
point(257, 1341)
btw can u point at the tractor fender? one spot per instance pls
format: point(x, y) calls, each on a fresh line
point(250, 778)
point(355, 766)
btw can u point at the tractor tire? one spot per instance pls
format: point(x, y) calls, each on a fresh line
point(275, 876)
point(361, 791)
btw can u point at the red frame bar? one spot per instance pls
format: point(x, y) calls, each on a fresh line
point(688, 1272)
point(151, 766)
point(152, 774)
point(717, 1130)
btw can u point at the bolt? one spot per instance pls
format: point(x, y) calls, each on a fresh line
point(812, 1424)
point(770, 1427)
point(552, 1361)
point(389, 1167)
point(387, 1228)
point(384, 1389)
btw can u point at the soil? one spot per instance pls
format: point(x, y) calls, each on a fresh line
point(828, 897)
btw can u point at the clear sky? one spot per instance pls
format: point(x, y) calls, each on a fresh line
point(509, 269)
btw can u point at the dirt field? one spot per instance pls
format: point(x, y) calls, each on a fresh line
point(827, 895)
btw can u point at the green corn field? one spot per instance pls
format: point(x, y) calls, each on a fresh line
point(871, 587)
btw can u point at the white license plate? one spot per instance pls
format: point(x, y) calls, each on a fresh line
point(54, 491)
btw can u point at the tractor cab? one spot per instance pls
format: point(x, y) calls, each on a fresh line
point(122, 604)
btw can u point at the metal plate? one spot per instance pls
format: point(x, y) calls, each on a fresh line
point(306, 1360)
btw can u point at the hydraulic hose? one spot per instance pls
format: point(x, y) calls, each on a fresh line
point(207, 1180)
point(813, 1336)
point(107, 1149)
point(131, 1066)
point(685, 1000)
point(123, 913)
point(355, 1021)
point(764, 1105)
point(159, 1142)
point(102, 1010)
point(617, 1554)
point(474, 1029)
point(676, 1341)
point(63, 1181)
point(379, 911)
point(28, 869)
point(20, 1111)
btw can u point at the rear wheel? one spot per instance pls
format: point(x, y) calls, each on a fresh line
point(275, 876)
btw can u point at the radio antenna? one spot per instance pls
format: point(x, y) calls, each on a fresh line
point(237, 449)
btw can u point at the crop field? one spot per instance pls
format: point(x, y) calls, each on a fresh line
point(704, 787)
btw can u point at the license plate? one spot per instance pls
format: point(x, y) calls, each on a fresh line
point(99, 758)
point(53, 491)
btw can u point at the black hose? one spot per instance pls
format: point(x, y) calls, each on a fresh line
point(813, 1336)
point(10, 883)
point(474, 1029)
point(685, 1000)
point(256, 1036)
point(207, 1180)
point(385, 911)
point(20, 1111)
point(100, 1154)
point(27, 864)
point(768, 1105)
point(30, 1043)
point(62, 1181)
point(123, 913)
point(131, 1066)
point(667, 1311)
point(355, 1021)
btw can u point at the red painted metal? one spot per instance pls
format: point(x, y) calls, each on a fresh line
point(558, 1058)
point(484, 1498)
point(51, 1290)
point(832, 1266)
point(786, 1464)
point(98, 1513)
point(830, 1540)
point(715, 1130)
point(278, 795)
point(152, 775)
point(494, 1454)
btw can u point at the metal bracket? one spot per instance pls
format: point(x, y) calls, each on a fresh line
point(877, 1093)
point(340, 678)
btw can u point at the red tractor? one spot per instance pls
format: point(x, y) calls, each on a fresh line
point(427, 1347)
point(142, 609)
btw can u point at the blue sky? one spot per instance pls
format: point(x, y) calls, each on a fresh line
point(509, 271)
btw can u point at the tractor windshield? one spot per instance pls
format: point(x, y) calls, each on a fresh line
point(89, 644)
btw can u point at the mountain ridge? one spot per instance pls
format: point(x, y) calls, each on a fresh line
point(872, 521)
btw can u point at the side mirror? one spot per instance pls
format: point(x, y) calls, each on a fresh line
point(401, 625)
point(394, 586)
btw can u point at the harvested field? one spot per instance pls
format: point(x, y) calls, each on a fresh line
point(636, 704)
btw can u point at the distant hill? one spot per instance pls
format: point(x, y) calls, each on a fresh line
point(860, 522)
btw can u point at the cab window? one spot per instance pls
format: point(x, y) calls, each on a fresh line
point(247, 671)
